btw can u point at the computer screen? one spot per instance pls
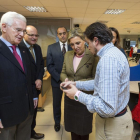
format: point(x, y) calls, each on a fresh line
point(133, 43)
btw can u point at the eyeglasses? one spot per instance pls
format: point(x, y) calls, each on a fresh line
point(64, 33)
point(19, 30)
point(32, 35)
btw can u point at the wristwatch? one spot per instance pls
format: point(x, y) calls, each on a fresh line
point(76, 96)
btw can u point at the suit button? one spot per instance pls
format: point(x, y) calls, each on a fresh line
point(26, 94)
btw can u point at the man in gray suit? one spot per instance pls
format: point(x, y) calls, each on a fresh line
point(55, 58)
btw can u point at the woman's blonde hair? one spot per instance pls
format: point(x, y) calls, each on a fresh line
point(76, 32)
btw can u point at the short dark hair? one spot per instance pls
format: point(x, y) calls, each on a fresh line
point(62, 27)
point(99, 30)
point(117, 43)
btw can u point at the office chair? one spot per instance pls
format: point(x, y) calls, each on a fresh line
point(132, 55)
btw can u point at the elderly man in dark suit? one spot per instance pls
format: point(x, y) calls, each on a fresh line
point(55, 58)
point(16, 85)
point(29, 41)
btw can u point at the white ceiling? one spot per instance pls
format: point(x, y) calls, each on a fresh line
point(83, 12)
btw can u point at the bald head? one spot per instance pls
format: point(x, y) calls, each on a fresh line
point(31, 35)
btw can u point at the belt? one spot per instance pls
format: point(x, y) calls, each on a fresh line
point(122, 112)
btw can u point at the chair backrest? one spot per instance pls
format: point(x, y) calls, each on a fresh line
point(135, 73)
point(131, 52)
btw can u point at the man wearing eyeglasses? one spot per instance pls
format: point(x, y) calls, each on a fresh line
point(17, 89)
point(29, 41)
point(55, 57)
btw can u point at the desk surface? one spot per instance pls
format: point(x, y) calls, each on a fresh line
point(134, 87)
point(127, 50)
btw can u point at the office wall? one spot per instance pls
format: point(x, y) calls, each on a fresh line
point(131, 37)
point(47, 30)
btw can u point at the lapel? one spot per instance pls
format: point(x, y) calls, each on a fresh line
point(69, 48)
point(71, 56)
point(24, 56)
point(32, 59)
point(58, 49)
point(36, 55)
point(4, 50)
point(85, 58)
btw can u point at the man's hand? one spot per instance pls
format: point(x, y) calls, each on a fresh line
point(71, 91)
point(38, 83)
point(1, 126)
point(35, 103)
point(67, 83)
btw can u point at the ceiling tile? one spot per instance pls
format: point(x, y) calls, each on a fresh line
point(128, 0)
point(56, 9)
point(15, 8)
point(131, 12)
point(136, 6)
point(99, 4)
point(93, 15)
point(29, 2)
point(77, 15)
point(73, 3)
point(53, 3)
point(95, 11)
point(8, 2)
point(27, 14)
point(121, 5)
point(2, 9)
point(76, 10)
point(136, 17)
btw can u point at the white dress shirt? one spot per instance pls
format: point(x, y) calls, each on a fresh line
point(66, 45)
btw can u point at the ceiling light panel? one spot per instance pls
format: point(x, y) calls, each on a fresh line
point(114, 11)
point(35, 9)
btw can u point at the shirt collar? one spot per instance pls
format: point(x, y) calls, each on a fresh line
point(6, 42)
point(28, 46)
point(62, 43)
point(103, 50)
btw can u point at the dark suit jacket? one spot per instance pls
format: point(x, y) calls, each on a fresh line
point(54, 61)
point(16, 96)
point(38, 66)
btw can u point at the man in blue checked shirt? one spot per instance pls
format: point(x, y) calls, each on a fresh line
point(111, 87)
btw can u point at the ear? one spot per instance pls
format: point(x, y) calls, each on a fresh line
point(95, 39)
point(4, 27)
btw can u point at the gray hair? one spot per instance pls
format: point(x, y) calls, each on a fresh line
point(9, 17)
point(76, 32)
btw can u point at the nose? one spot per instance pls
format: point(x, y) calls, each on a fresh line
point(75, 46)
point(21, 33)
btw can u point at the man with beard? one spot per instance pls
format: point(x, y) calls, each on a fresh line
point(37, 64)
point(55, 58)
point(111, 87)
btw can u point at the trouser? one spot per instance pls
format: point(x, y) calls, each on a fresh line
point(79, 137)
point(21, 131)
point(57, 96)
point(33, 122)
point(115, 128)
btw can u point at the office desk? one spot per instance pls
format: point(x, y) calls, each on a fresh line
point(134, 87)
point(45, 88)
